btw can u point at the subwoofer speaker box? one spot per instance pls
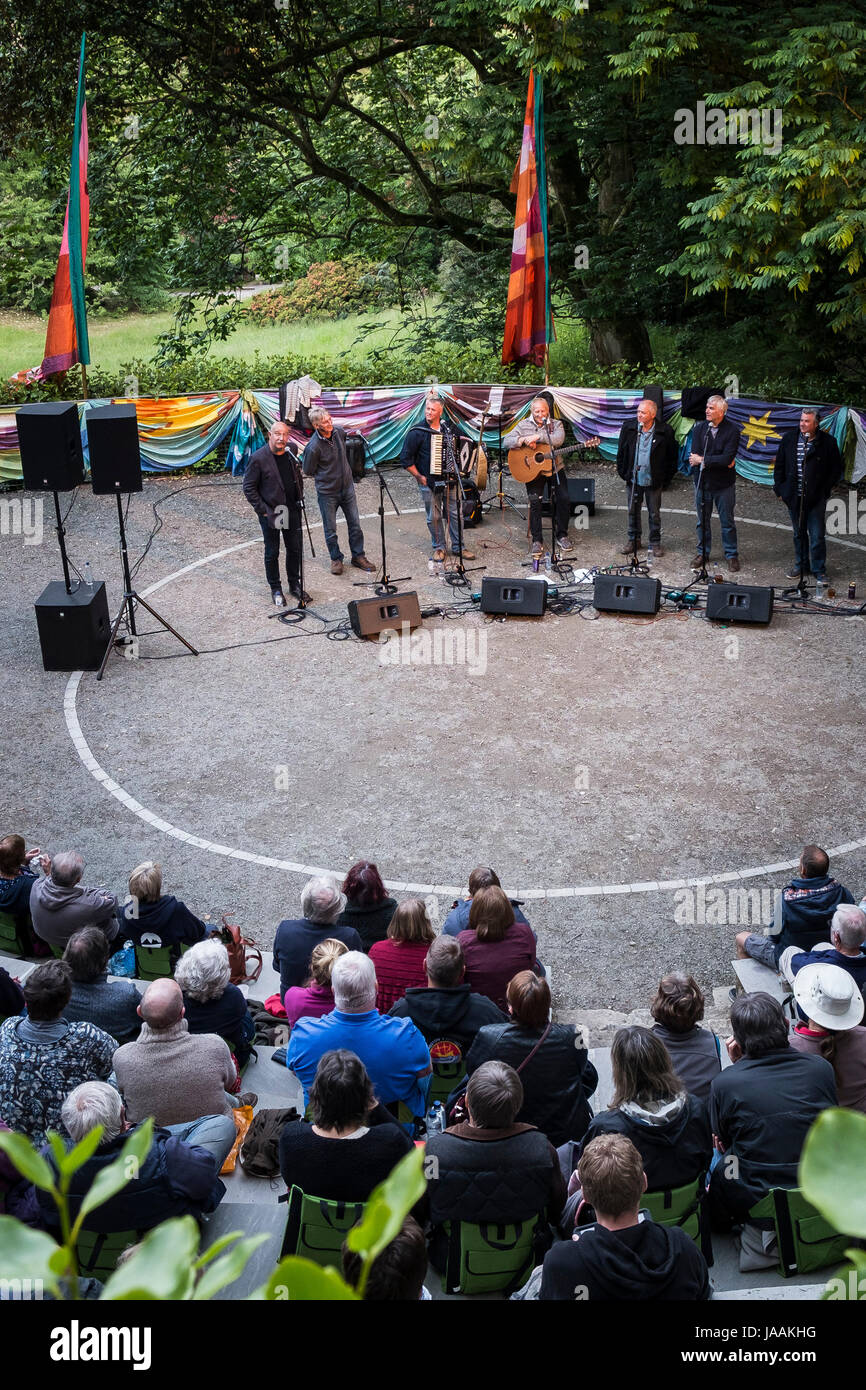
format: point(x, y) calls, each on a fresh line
point(524, 596)
point(739, 603)
point(73, 628)
point(626, 593)
point(49, 438)
point(657, 395)
point(370, 616)
point(581, 493)
point(115, 457)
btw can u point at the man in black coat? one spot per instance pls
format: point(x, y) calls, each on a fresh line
point(808, 467)
point(713, 459)
point(647, 448)
point(273, 486)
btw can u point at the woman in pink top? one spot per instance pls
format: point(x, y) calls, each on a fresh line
point(399, 959)
point(495, 948)
point(316, 998)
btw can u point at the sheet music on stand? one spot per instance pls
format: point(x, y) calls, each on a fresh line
point(496, 394)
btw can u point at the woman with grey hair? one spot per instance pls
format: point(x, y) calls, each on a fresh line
point(211, 1003)
point(321, 903)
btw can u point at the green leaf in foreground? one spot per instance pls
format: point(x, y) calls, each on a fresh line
point(832, 1166)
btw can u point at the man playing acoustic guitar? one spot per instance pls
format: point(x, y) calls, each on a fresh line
point(539, 429)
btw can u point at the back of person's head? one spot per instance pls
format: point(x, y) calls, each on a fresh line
point(397, 1273)
point(494, 1096)
point(482, 877)
point(528, 995)
point(90, 1104)
point(814, 862)
point(445, 963)
point(86, 954)
point(353, 980)
point(12, 850)
point(67, 868)
point(341, 1096)
point(611, 1175)
point(203, 972)
point(321, 901)
point(325, 954)
point(491, 914)
point(410, 922)
point(161, 1005)
point(363, 885)
point(849, 924)
point(46, 991)
point(145, 882)
point(642, 1068)
point(679, 1002)
point(758, 1024)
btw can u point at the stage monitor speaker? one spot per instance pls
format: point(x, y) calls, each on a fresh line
point(581, 493)
point(73, 628)
point(370, 616)
point(115, 457)
point(693, 401)
point(626, 593)
point(49, 438)
point(527, 597)
point(739, 603)
point(656, 394)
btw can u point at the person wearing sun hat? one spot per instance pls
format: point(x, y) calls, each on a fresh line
point(833, 1007)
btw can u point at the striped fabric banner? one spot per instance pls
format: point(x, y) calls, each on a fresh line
point(528, 318)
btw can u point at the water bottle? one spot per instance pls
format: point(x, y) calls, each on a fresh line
point(547, 563)
point(88, 575)
point(436, 1121)
point(819, 589)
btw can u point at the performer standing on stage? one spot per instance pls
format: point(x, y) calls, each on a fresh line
point(714, 444)
point(273, 486)
point(325, 460)
point(415, 458)
point(808, 461)
point(648, 447)
point(539, 429)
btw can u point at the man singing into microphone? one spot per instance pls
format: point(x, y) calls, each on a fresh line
point(808, 467)
point(713, 459)
point(539, 429)
point(415, 457)
point(325, 460)
point(273, 486)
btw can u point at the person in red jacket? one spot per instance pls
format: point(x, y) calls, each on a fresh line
point(399, 959)
point(496, 947)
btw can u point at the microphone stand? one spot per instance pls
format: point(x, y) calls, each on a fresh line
point(501, 496)
point(387, 584)
point(705, 520)
point(801, 588)
point(458, 578)
point(556, 562)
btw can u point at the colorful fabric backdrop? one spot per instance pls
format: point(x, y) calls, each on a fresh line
point(179, 431)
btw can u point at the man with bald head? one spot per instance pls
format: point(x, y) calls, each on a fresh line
point(274, 488)
point(645, 460)
point(174, 1076)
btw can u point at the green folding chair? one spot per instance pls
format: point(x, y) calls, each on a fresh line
point(316, 1227)
point(446, 1076)
point(153, 962)
point(98, 1252)
point(806, 1241)
point(684, 1207)
point(12, 940)
point(489, 1258)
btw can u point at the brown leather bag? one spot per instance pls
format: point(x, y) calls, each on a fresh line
point(240, 950)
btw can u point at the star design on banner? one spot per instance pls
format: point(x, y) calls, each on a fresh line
point(759, 431)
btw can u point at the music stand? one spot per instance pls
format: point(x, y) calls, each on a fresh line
point(387, 584)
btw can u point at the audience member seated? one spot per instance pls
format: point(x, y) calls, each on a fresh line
point(397, 1273)
point(393, 1051)
point(845, 948)
point(554, 1067)
point(169, 1073)
point(669, 1128)
point(211, 1003)
point(761, 1108)
point(399, 959)
point(490, 1168)
point(625, 1257)
point(151, 918)
point(17, 877)
point(803, 912)
point(179, 1175)
point(321, 904)
point(495, 946)
point(458, 918)
point(832, 1005)
point(368, 908)
point(111, 1004)
point(60, 905)
point(447, 1012)
point(42, 1057)
point(11, 995)
point(316, 998)
point(695, 1052)
point(313, 1157)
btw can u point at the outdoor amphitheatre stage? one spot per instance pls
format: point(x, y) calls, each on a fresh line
point(598, 763)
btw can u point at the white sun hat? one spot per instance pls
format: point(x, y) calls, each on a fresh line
point(828, 995)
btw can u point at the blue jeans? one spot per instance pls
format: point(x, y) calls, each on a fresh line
point(433, 502)
point(329, 504)
point(815, 524)
point(724, 502)
point(216, 1133)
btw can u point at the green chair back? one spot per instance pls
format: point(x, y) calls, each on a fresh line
point(57, 950)
point(684, 1207)
point(321, 1226)
point(806, 1241)
point(446, 1075)
point(489, 1258)
point(153, 962)
point(11, 943)
point(98, 1253)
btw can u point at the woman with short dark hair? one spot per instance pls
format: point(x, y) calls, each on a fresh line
point(368, 908)
point(495, 946)
point(551, 1060)
point(695, 1052)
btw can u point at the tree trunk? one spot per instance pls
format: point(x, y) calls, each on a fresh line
point(622, 337)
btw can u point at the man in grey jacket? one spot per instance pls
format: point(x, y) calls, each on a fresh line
point(539, 429)
point(60, 904)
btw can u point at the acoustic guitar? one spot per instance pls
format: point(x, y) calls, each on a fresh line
point(532, 461)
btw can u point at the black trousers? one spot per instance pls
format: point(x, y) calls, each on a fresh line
point(562, 506)
point(292, 541)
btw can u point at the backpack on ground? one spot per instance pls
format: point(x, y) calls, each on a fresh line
point(260, 1151)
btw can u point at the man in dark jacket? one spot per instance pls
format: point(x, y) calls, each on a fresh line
point(762, 1108)
point(111, 1005)
point(845, 948)
point(274, 488)
point(646, 460)
point(625, 1256)
point(808, 467)
point(447, 1012)
point(152, 919)
point(803, 914)
point(321, 904)
point(325, 461)
point(713, 458)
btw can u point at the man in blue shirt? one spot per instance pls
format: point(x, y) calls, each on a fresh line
point(646, 459)
point(392, 1049)
point(421, 444)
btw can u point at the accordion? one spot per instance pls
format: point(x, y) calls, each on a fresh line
point(437, 460)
